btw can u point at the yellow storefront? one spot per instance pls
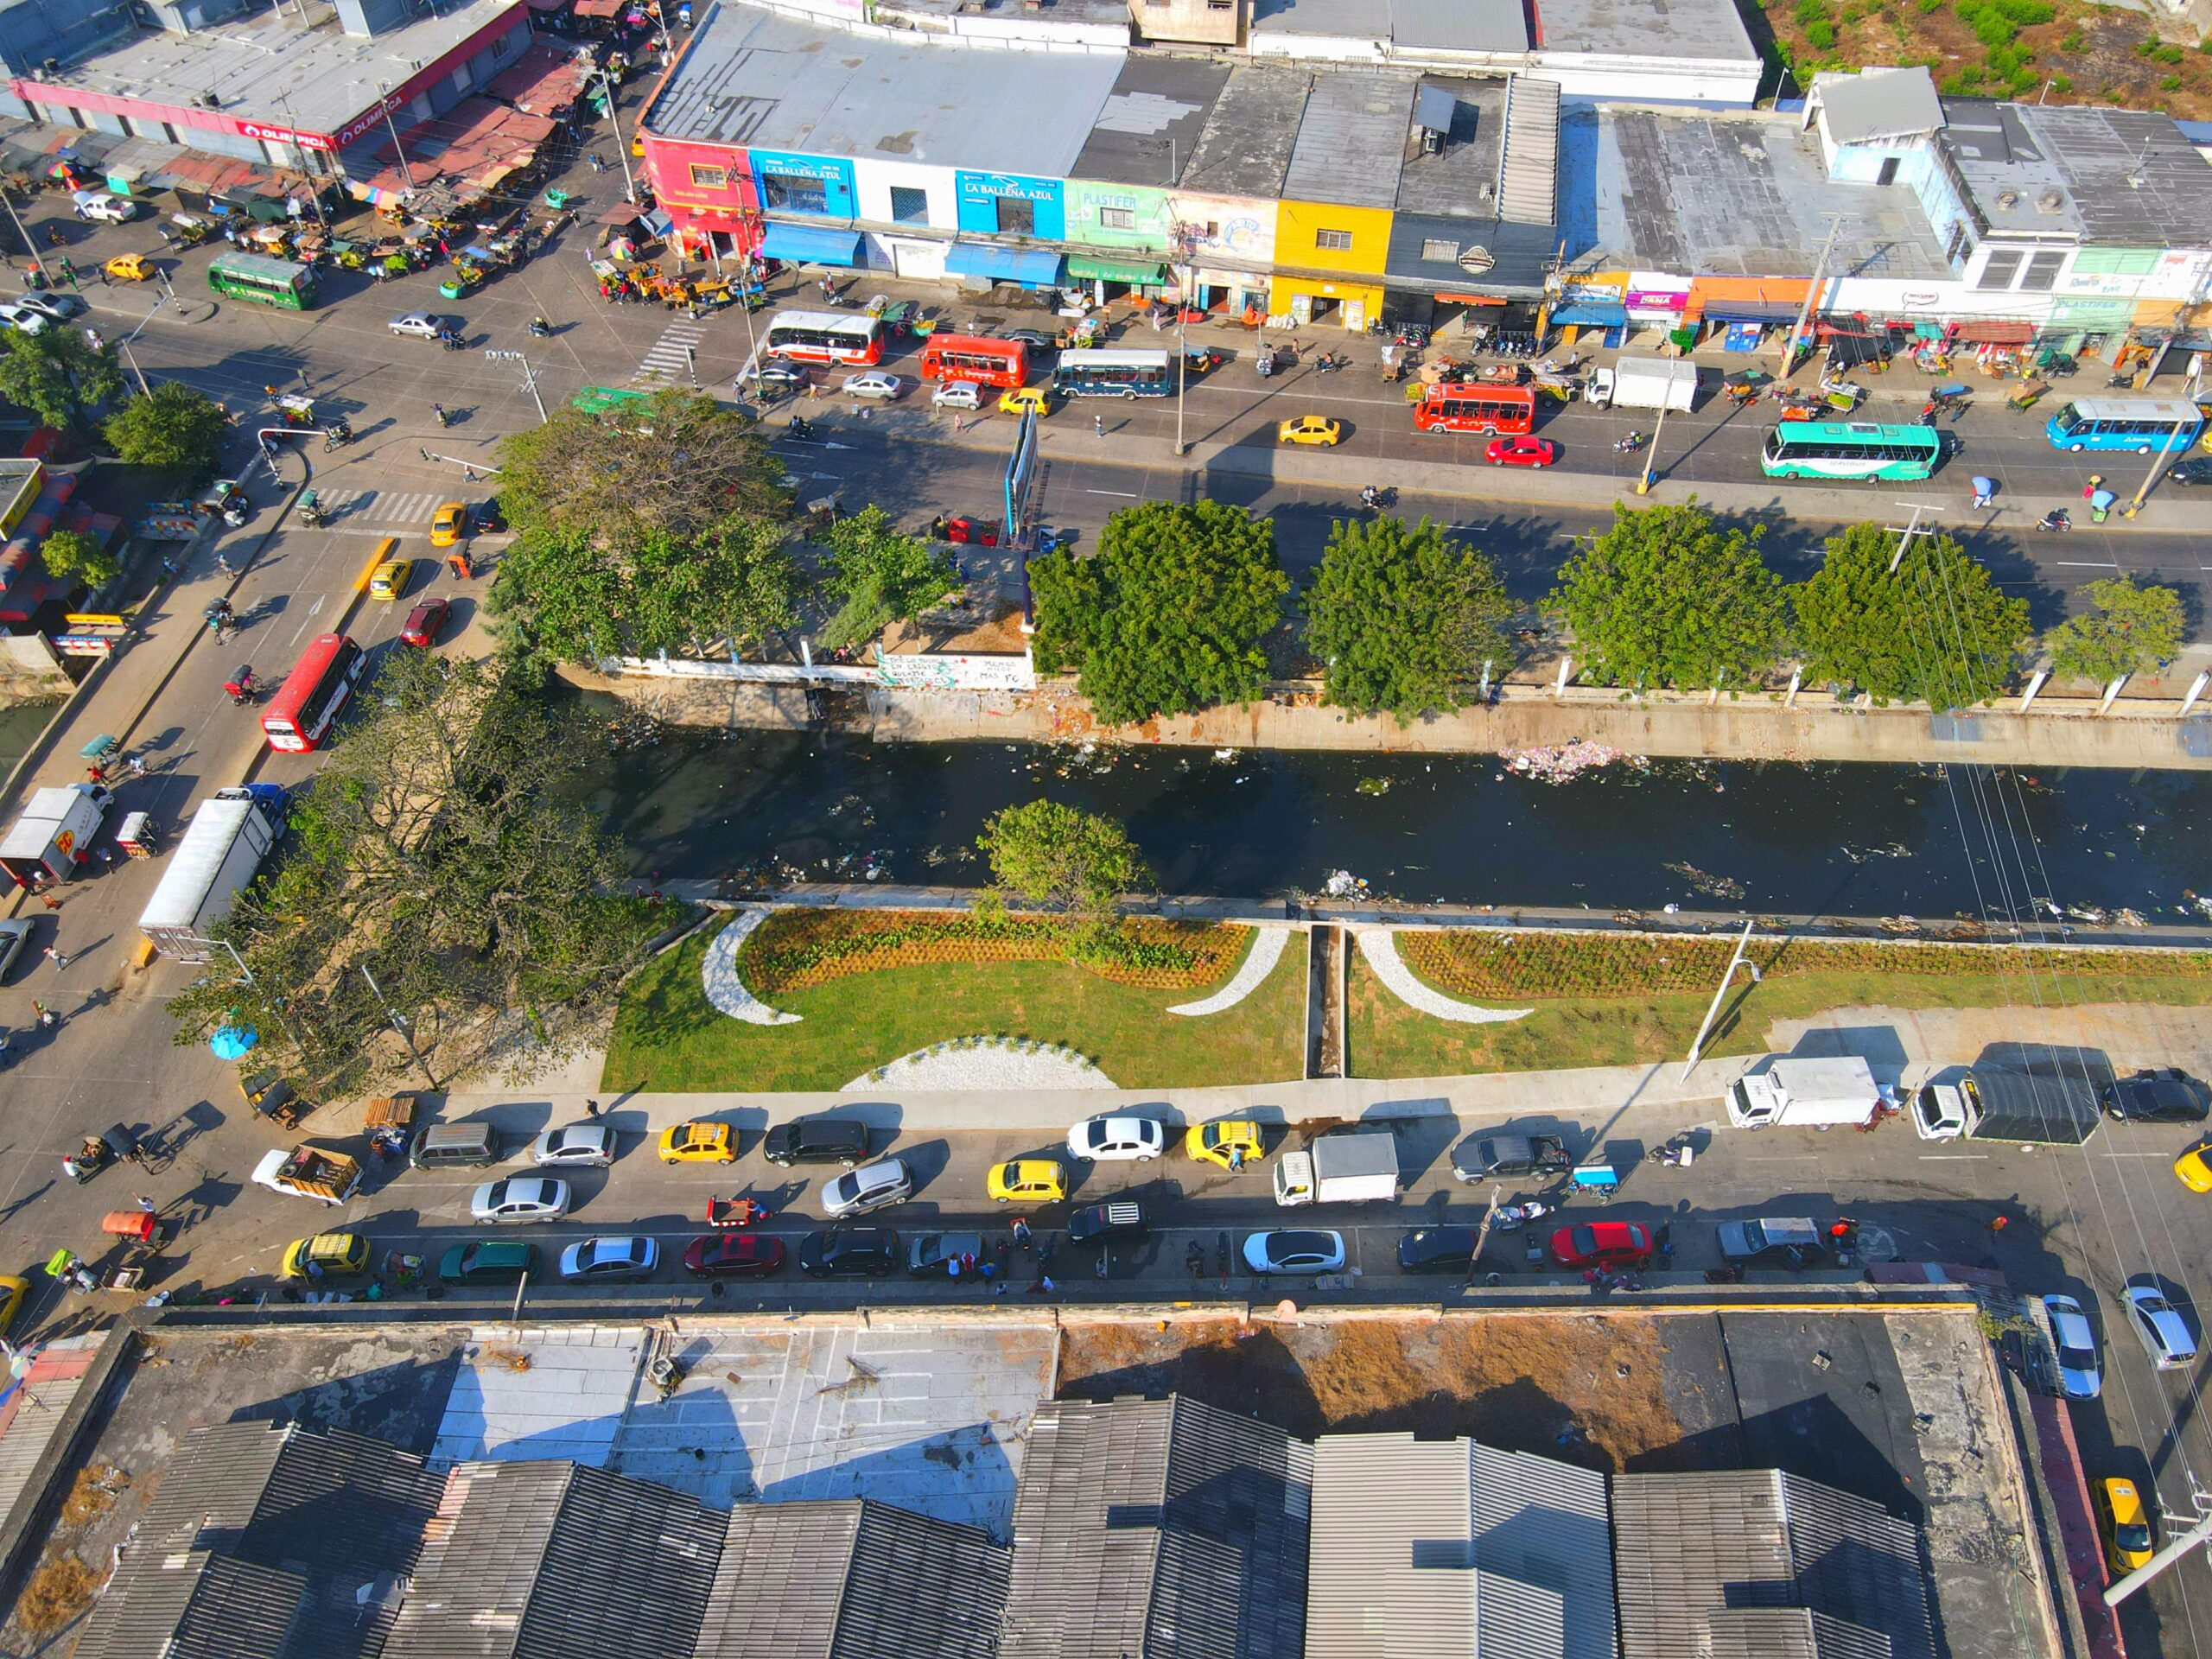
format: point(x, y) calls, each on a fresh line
point(1314, 242)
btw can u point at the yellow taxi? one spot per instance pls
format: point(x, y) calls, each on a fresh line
point(448, 523)
point(14, 1291)
point(1231, 1144)
point(1027, 1180)
point(129, 268)
point(330, 1253)
point(2128, 1539)
point(1310, 428)
point(390, 579)
point(699, 1143)
point(1027, 400)
point(2194, 1167)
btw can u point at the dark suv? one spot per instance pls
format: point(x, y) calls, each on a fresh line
point(817, 1140)
point(1487, 1157)
point(1107, 1223)
point(850, 1253)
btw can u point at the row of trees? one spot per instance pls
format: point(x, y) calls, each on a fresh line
point(1175, 610)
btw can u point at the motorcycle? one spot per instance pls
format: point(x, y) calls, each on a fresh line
point(2056, 519)
point(242, 688)
point(1330, 362)
point(1512, 1217)
point(337, 438)
point(438, 411)
point(540, 329)
point(1630, 444)
point(1677, 1153)
point(800, 427)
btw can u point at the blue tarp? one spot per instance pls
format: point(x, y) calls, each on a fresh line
point(801, 245)
point(1002, 264)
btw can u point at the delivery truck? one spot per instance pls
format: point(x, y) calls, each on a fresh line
point(53, 838)
point(217, 853)
point(1638, 382)
point(1343, 1166)
point(310, 1172)
point(1807, 1094)
point(2044, 1108)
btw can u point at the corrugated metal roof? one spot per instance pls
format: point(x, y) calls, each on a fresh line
point(1529, 178)
point(1351, 140)
point(777, 1587)
point(1391, 1571)
point(1149, 126)
point(237, 1610)
point(1788, 1633)
point(1158, 1528)
point(1543, 1559)
point(921, 1589)
point(1859, 1563)
point(1246, 143)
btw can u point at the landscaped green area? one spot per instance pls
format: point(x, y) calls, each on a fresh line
point(668, 1036)
point(1386, 1038)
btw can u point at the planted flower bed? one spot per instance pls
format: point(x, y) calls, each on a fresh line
point(794, 950)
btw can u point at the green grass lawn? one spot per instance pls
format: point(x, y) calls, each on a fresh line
point(668, 1036)
point(1389, 1039)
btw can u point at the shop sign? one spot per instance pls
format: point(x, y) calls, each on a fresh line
point(1664, 299)
point(993, 186)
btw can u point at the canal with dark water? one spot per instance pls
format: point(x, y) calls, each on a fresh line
point(1809, 840)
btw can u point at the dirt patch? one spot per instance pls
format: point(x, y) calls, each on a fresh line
point(59, 1592)
point(91, 1494)
point(1586, 1388)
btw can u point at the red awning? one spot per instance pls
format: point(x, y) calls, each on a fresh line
point(1468, 299)
point(1992, 334)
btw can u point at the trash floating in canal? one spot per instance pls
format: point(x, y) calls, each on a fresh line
point(1558, 763)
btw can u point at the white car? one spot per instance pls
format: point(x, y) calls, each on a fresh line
point(520, 1198)
point(874, 384)
point(422, 325)
point(956, 394)
point(588, 1144)
point(2158, 1324)
point(1111, 1138)
point(872, 1187)
point(772, 372)
point(61, 307)
point(2079, 1375)
point(631, 1257)
point(98, 204)
point(1296, 1249)
point(22, 317)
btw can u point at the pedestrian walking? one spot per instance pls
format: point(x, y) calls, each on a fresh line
point(597, 166)
point(1099, 424)
point(60, 962)
point(1999, 1223)
point(136, 764)
point(223, 564)
point(591, 1109)
point(48, 1019)
point(1984, 490)
point(145, 1203)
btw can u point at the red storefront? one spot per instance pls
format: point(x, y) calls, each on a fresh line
point(708, 190)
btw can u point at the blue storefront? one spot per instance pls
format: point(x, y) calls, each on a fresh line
point(1002, 204)
point(818, 186)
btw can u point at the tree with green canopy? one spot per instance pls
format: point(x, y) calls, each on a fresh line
point(172, 427)
point(1937, 630)
point(1403, 619)
point(2126, 629)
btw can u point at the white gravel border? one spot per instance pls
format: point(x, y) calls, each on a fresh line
point(1259, 962)
point(1380, 946)
point(718, 973)
point(984, 1063)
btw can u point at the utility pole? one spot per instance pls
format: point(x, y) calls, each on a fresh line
point(1812, 296)
point(529, 379)
point(29, 247)
point(130, 357)
point(399, 1026)
point(621, 144)
point(392, 127)
point(2194, 1536)
point(2150, 478)
point(1910, 529)
point(292, 126)
point(1652, 454)
point(1719, 991)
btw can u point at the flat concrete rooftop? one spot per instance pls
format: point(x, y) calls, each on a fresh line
point(1706, 30)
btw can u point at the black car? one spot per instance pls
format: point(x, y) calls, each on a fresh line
point(2164, 1096)
point(849, 1253)
point(1791, 1242)
point(1494, 1157)
point(488, 517)
point(1437, 1249)
point(817, 1140)
point(2197, 469)
point(1107, 1223)
point(933, 1255)
point(1033, 339)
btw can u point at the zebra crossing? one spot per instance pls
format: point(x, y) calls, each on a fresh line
point(667, 363)
point(352, 509)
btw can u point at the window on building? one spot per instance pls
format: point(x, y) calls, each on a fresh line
point(908, 205)
point(1117, 219)
point(2043, 270)
point(1221, 5)
point(1016, 216)
point(1960, 249)
point(710, 178)
point(1339, 240)
point(2004, 265)
point(1436, 250)
point(793, 194)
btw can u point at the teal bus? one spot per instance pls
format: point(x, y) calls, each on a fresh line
point(1851, 449)
point(2142, 424)
point(264, 280)
point(1092, 373)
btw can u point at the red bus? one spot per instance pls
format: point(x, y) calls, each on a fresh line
point(971, 357)
point(1463, 406)
point(825, 337)
point(304, 706)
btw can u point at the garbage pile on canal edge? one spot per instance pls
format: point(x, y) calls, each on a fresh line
point(1560, 763)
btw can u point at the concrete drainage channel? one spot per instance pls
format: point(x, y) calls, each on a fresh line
point(1325, 1001)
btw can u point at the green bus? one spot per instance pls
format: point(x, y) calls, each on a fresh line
point(597, 400)
point(1850, 449)
point(264, 280)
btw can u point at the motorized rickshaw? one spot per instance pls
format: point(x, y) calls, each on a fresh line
point(103, 754)
point(111, 1146)
point(311, 512)
point(272, 1097)
point(139, 1226)
point(2025, 395)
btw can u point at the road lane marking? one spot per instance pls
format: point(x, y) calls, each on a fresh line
point(1954, 1157)
point(2087, 565)
point(1126, 495)
point(306, 620)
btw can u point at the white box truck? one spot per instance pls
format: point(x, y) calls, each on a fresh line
point(1804, 1093)
point(217, 853)
point(52, 840)
point(1343, 1166)
point(1635, 382)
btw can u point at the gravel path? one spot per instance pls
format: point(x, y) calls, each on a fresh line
point(983, 1063)
point(719, 975)
point(1380, 946)
point(1259, 962)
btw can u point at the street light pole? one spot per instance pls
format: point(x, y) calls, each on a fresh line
point(29, 247)
point(1652, 454)
point(1812, 297)
point(2151, 477)
point(529, 379)
point(392, 127)
point(621, 144)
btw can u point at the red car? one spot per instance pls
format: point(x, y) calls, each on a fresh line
point(1602, 1244)
point(425, 623)
point(1521, 452)
point(728, 1254)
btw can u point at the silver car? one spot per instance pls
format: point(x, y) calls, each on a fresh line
point(519, 1198)
point(591, 1145)
point(631, 1257)
point(422, 325)
point(2159, 1326)
point(872, 1187)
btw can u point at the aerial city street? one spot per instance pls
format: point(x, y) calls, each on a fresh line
point(1106, 828)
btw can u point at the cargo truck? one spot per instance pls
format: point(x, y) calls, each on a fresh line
point(310, 1172)
point(52, 840)
point(217, 854)
point(1344, 1167)
point(1811, 1094)
point(1636, 382)
point(2048, 1108)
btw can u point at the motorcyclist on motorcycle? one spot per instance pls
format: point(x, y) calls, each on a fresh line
point(1370, 498)
point(1633, 442)
point(540, 328)
point(2056, 518)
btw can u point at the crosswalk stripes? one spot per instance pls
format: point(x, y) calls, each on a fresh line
point(667, 361)
point(379, 507)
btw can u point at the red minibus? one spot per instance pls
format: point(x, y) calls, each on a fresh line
point(301, 713)
point(972, 357)
point(1463, 406)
